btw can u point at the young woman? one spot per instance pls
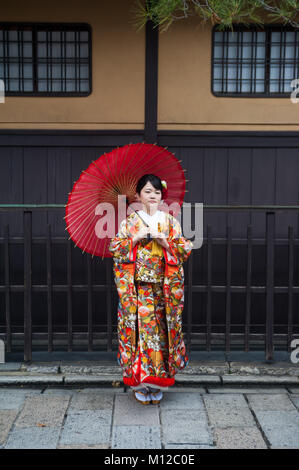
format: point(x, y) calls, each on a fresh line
point(148, 253)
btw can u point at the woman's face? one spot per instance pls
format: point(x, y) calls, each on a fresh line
point(150, 197)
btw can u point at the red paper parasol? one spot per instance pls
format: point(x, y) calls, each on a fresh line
point(113, 174)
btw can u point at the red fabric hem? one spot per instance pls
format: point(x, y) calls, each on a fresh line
point(135, 379)
point(160, 381)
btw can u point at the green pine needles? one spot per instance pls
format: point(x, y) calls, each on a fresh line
point(223, 13)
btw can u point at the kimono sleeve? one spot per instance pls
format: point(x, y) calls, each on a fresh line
point(121, 246)
point(179, 246)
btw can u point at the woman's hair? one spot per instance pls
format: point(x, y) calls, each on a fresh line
point(153, 179)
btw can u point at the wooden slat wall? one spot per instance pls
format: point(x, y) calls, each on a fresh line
point(223, 168)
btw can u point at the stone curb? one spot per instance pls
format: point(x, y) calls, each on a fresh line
point(189, 379)
point(112, 379)
point(262, 379)
point(115, 380)
point(194, 368)
point(198, 373)
point(30, 380)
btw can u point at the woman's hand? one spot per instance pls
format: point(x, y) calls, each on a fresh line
point(142, 233)
point(161, 238)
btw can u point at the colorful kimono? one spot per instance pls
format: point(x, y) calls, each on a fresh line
point(151, 300)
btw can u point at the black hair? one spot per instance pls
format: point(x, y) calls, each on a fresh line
point(153, 179)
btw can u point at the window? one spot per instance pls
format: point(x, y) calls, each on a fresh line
point(45, 59)
point(251, 61)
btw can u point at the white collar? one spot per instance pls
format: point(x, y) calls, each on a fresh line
point(152, 220)
point(157, 214)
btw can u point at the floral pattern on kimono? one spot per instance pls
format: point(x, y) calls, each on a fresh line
point(148, 268)
point(124, 267)
point(150, 363)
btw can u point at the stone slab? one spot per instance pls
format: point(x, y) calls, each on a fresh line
point(180, 401)
point(266, 402)
point(241, 437)
point(127, 411)
point(11, 400)
point(7, 418)
point(278, 418)
point(91, 401)
point(33, 438)
point(295, 400)
point(280, 427)
point(185, 427)
point(136, 437)
point(232, 400)
point(228, 410)
point(86, 427)
point(43, 410)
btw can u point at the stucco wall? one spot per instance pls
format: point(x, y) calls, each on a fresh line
point(118, 68)
point(185, 100)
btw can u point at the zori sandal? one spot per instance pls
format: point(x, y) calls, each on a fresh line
point(156, 397)
point(143, 396)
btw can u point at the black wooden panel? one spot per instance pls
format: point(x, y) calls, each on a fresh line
point(215, 188)
point(59, 183)
point(36, 183)
point(239, 189)
point(287, 189)
point(263, 185)
point(11, 186)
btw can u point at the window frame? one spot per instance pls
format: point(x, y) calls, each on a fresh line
point(267, 28)
point(35, 27)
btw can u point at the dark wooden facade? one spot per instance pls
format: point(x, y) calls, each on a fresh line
point(223, 167)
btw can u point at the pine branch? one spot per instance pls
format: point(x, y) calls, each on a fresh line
point(223, 13)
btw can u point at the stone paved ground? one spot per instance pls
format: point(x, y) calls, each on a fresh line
point(187, 418)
